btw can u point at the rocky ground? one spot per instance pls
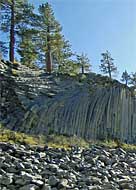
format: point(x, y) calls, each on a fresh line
point(41, 168)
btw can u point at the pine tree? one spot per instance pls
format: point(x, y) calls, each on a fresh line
point(125, 77)
point(62, 55)
point(52, 45)
point(107, 66)
point(15, 14)
point(84, 63)
point(70, 67)
point(49, 28)
point(27, 48)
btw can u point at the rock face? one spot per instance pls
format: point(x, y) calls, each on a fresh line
point(92, 108)
point(11, 109)
point(42, 168)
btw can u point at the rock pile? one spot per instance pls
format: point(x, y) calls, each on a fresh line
point(41, 168)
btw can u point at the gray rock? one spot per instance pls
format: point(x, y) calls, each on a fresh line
point(81, 172)
point(94, 187)
point(127, 186)
point(46, 187)
point(62, 183)
point(53, 168)
point(96, 180)
point(37, 182)
point(29, 187)
point(6, 180)
point(53, 181)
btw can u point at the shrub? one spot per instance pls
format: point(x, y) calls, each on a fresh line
point(14, 72)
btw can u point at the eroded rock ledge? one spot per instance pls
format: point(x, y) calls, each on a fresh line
point(42, 168)
point(92, 108)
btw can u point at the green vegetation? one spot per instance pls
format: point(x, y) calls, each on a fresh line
point(61, 141)
point(125, 77)
point(54, 49)
point(129, 79)
point(16, 137)
point(36, 37)
point(107, 66)
point(133, 79)
point(16, 16)
point(53, 140)
point(28, 56)
point(84, 63)
point(117, 144)
point(14, 72)
point(57, 141)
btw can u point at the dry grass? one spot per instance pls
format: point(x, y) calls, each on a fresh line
point(116, 144)
point(16, 137)
point(65, 142)
point(56, 141)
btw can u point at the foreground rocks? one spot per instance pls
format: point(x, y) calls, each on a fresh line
point(42, 168)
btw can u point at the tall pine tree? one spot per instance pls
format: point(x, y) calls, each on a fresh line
point(15, 15)
point(52, 46)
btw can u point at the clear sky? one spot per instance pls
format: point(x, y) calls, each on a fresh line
point(94, 26)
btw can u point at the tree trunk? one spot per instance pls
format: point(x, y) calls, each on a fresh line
point(110, 74)
point(48, 56)
point(12, 33)
point(109, 70)
point(82, 69)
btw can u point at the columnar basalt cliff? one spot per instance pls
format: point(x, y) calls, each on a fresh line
point(91, 107)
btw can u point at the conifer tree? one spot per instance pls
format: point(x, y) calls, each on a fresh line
point(15, 14)
point(84, 63)
point(49, 30)
point(125, 77)
point(107, 66)
point(27, 47)
point(52, 45)
point(70, 67)
point(62, 54)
